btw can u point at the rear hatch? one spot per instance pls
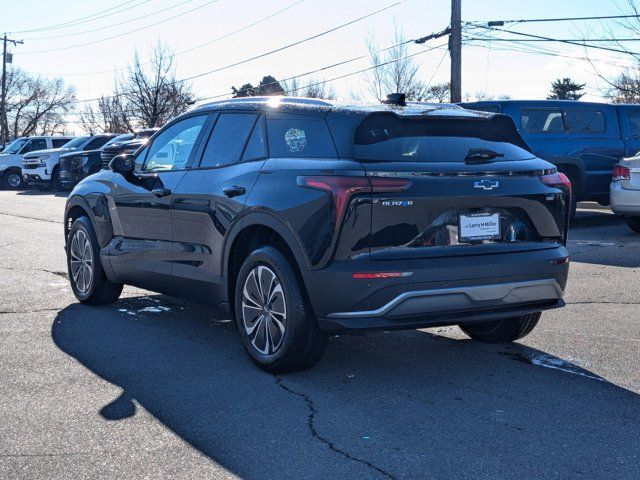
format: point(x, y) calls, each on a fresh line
point(472, 187)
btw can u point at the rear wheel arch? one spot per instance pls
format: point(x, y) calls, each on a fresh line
point(254, 236)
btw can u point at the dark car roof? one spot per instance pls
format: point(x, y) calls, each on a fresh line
point(322, 107)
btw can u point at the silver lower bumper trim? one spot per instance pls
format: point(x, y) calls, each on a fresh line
point(427, 302)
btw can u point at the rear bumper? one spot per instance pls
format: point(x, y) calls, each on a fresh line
point(441, 291)
point(624, 201)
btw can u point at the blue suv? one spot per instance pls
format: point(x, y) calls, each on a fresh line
point(584, 140)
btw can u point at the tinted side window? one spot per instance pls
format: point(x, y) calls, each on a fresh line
point(584, 121)
point(542, 121)
point(35, 144)
point(634, 122)
point(58, 142)
point(257, 146)
point(96, 143)
point(228, 138)
point(299, 136)
point(171, 149)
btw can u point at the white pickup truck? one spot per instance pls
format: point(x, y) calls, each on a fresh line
point(11, 156)
point(41, 168)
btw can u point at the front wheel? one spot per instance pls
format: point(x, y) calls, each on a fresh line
point(277, 327)
point(634, 223)
point(89, 283)
point(12, 179)
point(504, 330)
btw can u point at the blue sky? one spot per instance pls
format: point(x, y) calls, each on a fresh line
point(496, 71)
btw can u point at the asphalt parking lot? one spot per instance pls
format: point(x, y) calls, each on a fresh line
point(154, 387)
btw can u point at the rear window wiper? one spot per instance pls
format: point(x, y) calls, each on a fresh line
point(481, 155)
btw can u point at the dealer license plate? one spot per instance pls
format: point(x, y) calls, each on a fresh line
point(479, 226)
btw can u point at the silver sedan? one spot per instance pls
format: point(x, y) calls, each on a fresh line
point(625, 191)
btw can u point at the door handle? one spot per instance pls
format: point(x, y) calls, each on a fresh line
point(161, 192)
point(234, 191)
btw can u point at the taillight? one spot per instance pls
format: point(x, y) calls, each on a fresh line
point(343, 188)
point(557, 180)
point(621, 173)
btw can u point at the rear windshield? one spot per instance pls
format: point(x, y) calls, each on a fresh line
point(387, 137)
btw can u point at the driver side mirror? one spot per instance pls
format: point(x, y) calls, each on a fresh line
point(124, 164)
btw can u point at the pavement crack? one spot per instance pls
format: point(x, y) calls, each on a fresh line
point(37, 310)
point(315, 434)
point(64, 275)
point(30, 218)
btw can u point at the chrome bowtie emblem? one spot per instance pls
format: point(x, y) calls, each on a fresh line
point(486, 184)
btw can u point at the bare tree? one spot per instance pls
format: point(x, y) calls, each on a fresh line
point(396, 72)
point(108, 116)
point(313, 88)
point(36, 105)
point(625, 86)
point(440, 92)
point(147, 95)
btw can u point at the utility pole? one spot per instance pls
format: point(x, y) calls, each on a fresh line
point(3, 108)
point(455, 51)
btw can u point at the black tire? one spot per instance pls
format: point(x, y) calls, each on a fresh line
point(98, 290)
point(634, 223)
point(12, 179)
point(504, 330)
point(303, 343)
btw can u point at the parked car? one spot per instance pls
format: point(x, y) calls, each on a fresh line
point(584, 140)
point(625, 191)
point(77, 165)
point(304, 217)
point(40, 168)
point(11, 156)
point(126, 145)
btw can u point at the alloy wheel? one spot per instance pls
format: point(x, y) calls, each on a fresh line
point(81, 261)
point(264, 311)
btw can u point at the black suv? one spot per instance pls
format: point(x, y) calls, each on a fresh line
point(78, 165)
point(303, 217)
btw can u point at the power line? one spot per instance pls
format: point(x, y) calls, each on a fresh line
point(221, 95)
point(494, 39)
point(265, 54)
point(569, 42)
point(499, 23)
point(121, 34)
point(78, 21)
point(177, 54)
point(113, 25)
point(539, 50)
point(346, 75)
point(327, 67)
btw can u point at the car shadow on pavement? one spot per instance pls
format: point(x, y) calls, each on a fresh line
point(399, 405)
point(36, 192)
